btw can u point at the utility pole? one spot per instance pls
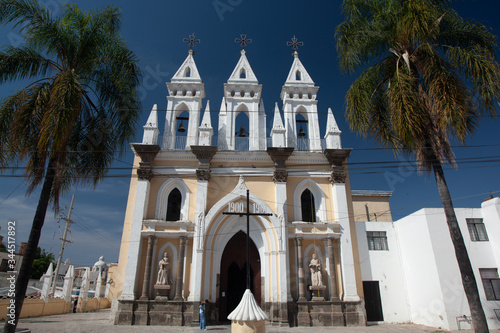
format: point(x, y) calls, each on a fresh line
point(64, 240)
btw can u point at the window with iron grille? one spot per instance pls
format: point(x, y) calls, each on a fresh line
point(377, 240)
point(491, 283)
point(477, 230)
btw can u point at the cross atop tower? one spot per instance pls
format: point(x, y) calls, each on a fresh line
point(243, 40)
point(191, 41)
point(295, 44)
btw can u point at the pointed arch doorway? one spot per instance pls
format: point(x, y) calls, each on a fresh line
point(233, 274)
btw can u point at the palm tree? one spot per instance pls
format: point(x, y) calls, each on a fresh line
point(427, 76)
point(80, 106)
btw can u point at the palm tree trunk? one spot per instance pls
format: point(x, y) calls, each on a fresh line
point(30, 252)
point(468, 279)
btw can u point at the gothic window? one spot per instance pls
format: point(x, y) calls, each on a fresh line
point(187, 72)
point(297, 75)
point(307, 204)
point(477, 230)
point(243, 74)
point(491, 283)
point(377, 240)
point(174, 205)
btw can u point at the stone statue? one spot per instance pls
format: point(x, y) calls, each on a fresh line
point(315, 268)
point(164, 271)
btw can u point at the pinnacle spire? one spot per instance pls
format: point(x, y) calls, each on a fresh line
point(332, 136)
point(277, 122)
point(206, 121)
point(151, 131)
point(331, 123)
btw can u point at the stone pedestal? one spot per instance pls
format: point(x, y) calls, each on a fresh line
point(355, 314)
point(320, 313)
point(166, 313)
point(141, 313)
point(317, 293)
point(248, 316)
point(124, 313)
point(162, 291)
point(240, 326)
point(303, 317)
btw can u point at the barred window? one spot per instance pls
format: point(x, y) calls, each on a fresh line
point(491, 283)
point(477, 230)
point(377, 240)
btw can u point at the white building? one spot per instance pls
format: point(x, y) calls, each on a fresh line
point(410, 273)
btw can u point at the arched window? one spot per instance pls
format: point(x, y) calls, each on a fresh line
point(173, 199)
point(174, 205)
point(243, 74)
point(297, 75)
point(187, 72)
point(307, 205)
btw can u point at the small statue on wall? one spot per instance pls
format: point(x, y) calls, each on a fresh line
point(315, 268)
point(164, 271)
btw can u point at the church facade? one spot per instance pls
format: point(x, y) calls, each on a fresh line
point(178, 245)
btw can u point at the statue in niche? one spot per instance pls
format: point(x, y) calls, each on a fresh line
point(164, 271)
point(315, 268)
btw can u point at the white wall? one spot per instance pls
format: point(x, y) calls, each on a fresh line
point(434, 283)
point(419, 276)
point(385, 267)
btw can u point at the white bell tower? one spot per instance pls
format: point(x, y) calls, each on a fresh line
point(242, 93)
point(299, 97)
point(186, 91)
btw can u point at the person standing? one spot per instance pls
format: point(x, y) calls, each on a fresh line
point(203, 318)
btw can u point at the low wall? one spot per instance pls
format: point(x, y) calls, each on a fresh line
point(93, 305)
point(37, 307)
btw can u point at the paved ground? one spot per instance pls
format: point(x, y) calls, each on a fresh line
point(99, 322)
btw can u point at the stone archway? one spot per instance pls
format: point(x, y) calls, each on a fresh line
point(233, 274)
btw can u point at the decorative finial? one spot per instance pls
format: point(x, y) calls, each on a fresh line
point(295, 44)
point(243, 40)
point(191, 41)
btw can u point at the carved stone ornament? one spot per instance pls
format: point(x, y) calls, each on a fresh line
point(338, 176)
point(241, 186)
point(336, 158)
point(203, 174)
point(280, 176)
point(204, 154)
point(145, 173)
point(147, 153)
point(279, 157)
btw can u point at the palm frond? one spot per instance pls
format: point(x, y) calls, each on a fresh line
point(23, 63)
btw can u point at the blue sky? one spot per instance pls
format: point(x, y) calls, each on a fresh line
point(154, 30)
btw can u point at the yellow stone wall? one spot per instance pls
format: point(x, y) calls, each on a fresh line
point(378, 208)
point(354, 238)
point(119, 274)
point(262, 187)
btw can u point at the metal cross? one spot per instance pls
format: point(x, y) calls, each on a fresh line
point(294, 43)
point(191, 41)
point(243, 40)
point(248, 214)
